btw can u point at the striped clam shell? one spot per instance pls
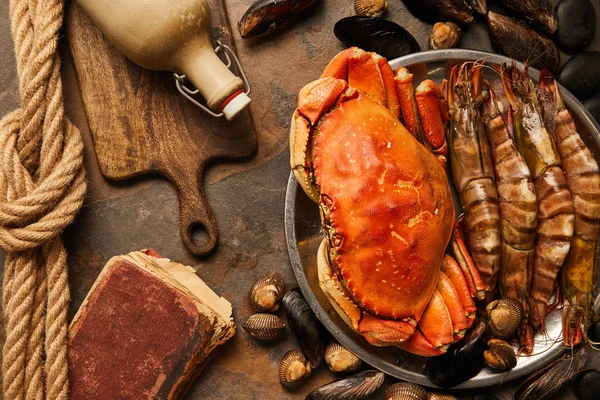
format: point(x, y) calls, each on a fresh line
point(293, 369)
point(500, 355)
point(264, 326)
point(405, 391)
point(340, 359)
point(370, 8)
point(441, 396)
point(267, 292)
point(505, 317)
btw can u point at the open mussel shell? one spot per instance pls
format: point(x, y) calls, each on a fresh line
point(355, 387)
point(405, 391)
point(441, 396)
point(445, 35)
point(267, 292)
point(264, 326)
point(266, 16)
point(293, 369)
point(340, 359)
point(505, 317)
point(500, 355)
point(370, 8)
point(373, 34)
point(307, 329)
point(463, 360)
point(553, 378)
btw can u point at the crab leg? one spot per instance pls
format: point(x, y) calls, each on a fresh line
point(454, 305)
point(408, 105)
point(452, 270)
point(428, 96)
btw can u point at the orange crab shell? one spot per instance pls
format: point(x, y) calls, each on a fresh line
point(387, 206)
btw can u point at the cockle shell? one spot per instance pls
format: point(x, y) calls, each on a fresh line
point(500, 355)
point(441, 396)
point(267, 292)
point(293, 369)
point(340, 359)
point(445, 35)
point(504, 317)
point(405, 391)
point(264, 326)
point(370, 8)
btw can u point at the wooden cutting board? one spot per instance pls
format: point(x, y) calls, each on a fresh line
point(142, 125)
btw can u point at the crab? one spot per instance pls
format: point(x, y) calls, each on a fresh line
point(385, 207)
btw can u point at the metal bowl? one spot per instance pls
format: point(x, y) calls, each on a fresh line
point(303, 235)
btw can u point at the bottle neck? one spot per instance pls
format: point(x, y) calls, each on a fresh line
point(209, 74)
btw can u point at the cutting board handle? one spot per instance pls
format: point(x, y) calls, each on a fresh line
point(195, 214)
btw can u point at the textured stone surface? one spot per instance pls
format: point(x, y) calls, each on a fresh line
point(247, 196)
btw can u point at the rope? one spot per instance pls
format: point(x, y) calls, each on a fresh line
point(42, 187)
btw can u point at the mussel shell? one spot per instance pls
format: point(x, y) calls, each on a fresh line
point(440, 10)
point(355, 387)
point(340, 359)
point(442, 396)
point(480, 6)
point(370, 8)
point(293, 369)
point(463, 360)
point(539, 13)
point(266, 16)
point(505, 317)
point(308, 330)
point(500, 355)
point(267, 292)
point(264, 326)
point(373, 34)
point(405, 391)
point(553, 378)
point(445, 35)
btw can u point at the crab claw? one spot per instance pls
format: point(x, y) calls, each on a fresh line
point(368, 72)
point(428, 97)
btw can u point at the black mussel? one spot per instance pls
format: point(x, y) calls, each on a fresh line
point(355, 387)
point(480, 6)
point(306, 328)
point(553, 378)
point(463, 360)
point(267, 292)
point(500, 355)
point(538, 13)
point(441, 10)
point(576, 24)
point(264, 326)
point(515, 40)
point(370, 8)
point(373, 34)
point(577, 76)
point(445, 35)
point(594, 330)
point(266, 16)
point(293, 369)
point(485, 396)
point(340, 359)
point(405, 391)
point(587, 385)
point(504, 317)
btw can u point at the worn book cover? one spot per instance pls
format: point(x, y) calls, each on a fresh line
point(145, 331)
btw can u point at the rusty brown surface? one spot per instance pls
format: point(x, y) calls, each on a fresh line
point(247, 196)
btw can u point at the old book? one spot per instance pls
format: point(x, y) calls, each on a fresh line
point(146, 329)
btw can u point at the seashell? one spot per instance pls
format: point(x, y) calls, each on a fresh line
point(553, 378)
point(264, 326)
point(440, 10)
point(480, 6)
point(441, 396)
point(463, 360)
point(267, 292)
point(354, 387)
point(293, 369)
point(308, 330)
point(370, 8)
point(445, 35)
point(340, 359)
point(505, 317)
point(374, 34)
point(266, 16)
point(500, 355)
point(587, 384)
point(538, 13)
point(405, 391)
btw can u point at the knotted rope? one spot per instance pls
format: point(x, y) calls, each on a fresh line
point(42, 186)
